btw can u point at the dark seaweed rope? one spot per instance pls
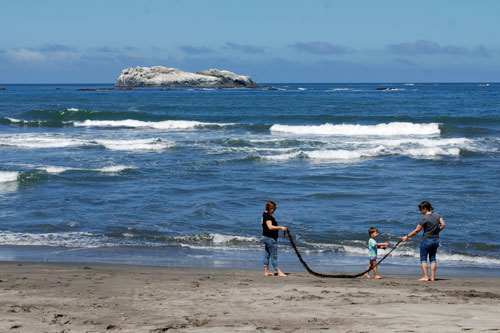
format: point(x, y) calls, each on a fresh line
point(338, 276)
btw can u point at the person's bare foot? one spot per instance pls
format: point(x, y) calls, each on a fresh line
point(378, 277)
point(424, 279)
point(268, 274)
point(367, 276)
point(280, 273)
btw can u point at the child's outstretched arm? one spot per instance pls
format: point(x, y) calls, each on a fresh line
point(383, 245)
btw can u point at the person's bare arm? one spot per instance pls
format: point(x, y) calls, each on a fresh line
point(413, 233)
point(441, 224)
point(270, 226)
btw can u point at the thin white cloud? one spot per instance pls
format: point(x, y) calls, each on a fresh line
point(319, 48)
point(426, 47)
point(195, 50)
point(46, 54)
point(243, 48)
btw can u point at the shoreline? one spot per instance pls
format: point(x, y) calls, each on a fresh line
point(185, 257)
point(57, 297)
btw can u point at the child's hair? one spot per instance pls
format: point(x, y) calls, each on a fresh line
point(372, 230)
point(425, 205)
point(270, 205)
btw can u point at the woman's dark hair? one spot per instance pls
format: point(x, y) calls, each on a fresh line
point(425, 205)
point(270, 205)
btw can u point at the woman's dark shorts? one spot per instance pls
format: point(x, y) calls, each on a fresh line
point(429, 247)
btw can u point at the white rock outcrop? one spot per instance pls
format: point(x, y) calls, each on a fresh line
point(159, 76)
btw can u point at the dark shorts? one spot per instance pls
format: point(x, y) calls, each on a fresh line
point(428, 248)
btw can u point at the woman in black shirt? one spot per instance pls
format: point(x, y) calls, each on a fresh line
point(270, 229)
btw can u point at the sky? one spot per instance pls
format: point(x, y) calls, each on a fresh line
point(69, 41)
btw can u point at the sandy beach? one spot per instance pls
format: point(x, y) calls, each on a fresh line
point(48, 297)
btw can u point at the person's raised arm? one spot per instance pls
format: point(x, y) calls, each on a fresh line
point(270, 226)
point(413, 233)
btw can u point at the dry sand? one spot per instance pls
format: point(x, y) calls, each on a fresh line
point(47, 297)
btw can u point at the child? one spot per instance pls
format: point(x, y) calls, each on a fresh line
point(372, 252)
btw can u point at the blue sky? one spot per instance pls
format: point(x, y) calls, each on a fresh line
point(64, 41)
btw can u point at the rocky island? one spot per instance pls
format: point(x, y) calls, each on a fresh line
point(159, 76)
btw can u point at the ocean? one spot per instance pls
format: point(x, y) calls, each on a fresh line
point(180, 177)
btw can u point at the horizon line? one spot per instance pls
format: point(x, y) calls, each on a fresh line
point(264, 83)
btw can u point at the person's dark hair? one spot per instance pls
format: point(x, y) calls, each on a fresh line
point(372, 230)
point(425, 205)
point(270, 205)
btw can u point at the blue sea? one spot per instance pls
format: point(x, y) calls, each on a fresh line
point(180, 177)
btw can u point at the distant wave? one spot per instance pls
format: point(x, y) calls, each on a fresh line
point(358, 150)
point(108, 169)
point(154, 144)
point(44, 141)
point(92, 240)
point(161, 125)
point(389, 129)
point(355, 155)
point(8, 176)
point(343, 89)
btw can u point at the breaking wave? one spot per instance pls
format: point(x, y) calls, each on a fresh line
point(218, 242)
point(389, 129)
point(160, 125)
point(41, 141)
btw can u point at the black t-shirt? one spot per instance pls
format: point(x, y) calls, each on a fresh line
point(265, 230)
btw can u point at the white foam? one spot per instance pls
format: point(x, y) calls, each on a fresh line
point(162, 125)
point(343, 154)
point(14, 120)
point(342, 89)
point(215, 238)
point(437, 142)
point(40, 141)
point(73, 109)
point(281, 157)
point(403, 252)
point(389, 129)
point(65, 239)
point(432, 152)
point(114, 169)
point(108, 169)
point(376, 148)
point(55, 169)
point(8, 176)
point(136, 145)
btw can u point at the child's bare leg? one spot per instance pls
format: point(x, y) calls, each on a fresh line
point(367, 274)
point(424, 270)
point(375, 271)
point(433, 270)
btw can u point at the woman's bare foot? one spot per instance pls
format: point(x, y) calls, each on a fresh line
point(268, 274)
point(378, 277)
point(423, 279)
point(280, 273)
point(367, 276)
